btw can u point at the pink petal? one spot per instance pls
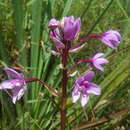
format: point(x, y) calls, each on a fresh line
point(98, 55)
point(75, 95)
point(98, 66)
point(114, 32)
point(19, 92)
point(84, 100)
point(108, 43)
point(101, 61)
point(57, 43)
point(12, 73)
point(89, 76)
point(79, 80)
point(6, 85)
point(15, 95)
point(94, 89)
point(71, 28)
point(14, 98)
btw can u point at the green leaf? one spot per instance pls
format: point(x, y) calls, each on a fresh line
point(67, 7)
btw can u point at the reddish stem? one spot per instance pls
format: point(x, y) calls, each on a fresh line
point(36, 79)
point(82, 61)
point(85, 39)
point(64, 89)
point(42, 81)
point(77, 63)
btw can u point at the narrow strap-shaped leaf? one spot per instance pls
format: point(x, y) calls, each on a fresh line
point(67, 7)
point(35, 41)
point(18, 11)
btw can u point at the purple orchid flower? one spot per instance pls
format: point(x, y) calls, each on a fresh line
point(84, 88)
point(97, 61)
point(53, 24)
point(16, 83)
point(71, 28)
point(111, 38)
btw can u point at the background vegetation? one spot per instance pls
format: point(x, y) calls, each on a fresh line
point(25, 46)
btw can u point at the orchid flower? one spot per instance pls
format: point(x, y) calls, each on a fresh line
point(111, 38)
point(16, 83)
point(97, 61)
point(84, 88)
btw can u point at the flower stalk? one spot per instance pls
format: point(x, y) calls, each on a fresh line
point(85, 40)
point(64, 89)
point(62, 34)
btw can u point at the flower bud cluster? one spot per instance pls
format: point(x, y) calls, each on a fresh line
point(64, 31)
